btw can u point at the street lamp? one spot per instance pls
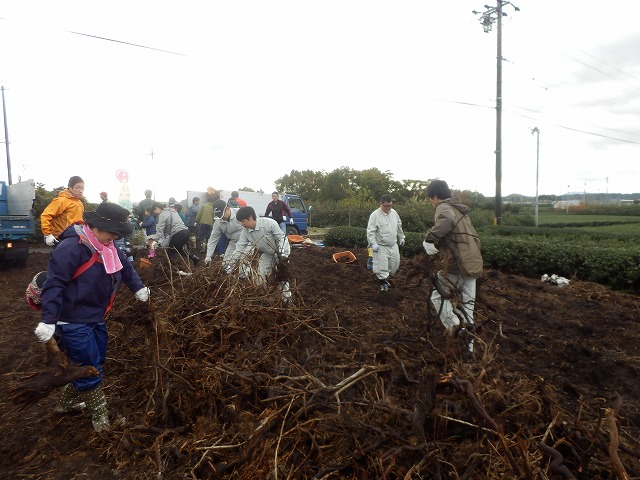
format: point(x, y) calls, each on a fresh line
point(537, 130)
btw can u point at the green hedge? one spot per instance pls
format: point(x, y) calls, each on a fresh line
point(617, 266)
point(355, 237)
point(416, 217)
point(566, 234)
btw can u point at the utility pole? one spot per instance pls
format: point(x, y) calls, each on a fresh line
point(152, 154)
point(487, 19)
point(6, 137)
point(537, 130)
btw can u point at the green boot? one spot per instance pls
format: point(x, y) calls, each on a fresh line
point(97, 405)
point(69, 400)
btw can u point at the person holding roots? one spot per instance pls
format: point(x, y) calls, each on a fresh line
point(453, 232)
point(84, 273)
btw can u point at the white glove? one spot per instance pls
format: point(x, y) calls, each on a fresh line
point(154, 245)
point(291, 221)
point(50, 240)
point(207, 261)
point(401, 243)
point(430, 248)
point(44, 331)
point(227, 269)
point(143, 294)
point(375, 247)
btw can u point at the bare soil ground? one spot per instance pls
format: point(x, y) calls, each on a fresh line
point(217, 379)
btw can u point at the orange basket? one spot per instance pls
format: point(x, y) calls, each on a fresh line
point(295, 238)
point(344, 257)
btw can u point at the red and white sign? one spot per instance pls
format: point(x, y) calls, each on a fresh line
point(122, 175)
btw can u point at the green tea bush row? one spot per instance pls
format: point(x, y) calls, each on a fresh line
point(416, 217)
point(612, 265)
point(617, 266)
point(356, 237)
point(566, 234)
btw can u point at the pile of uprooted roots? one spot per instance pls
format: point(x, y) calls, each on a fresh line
point(218, 379)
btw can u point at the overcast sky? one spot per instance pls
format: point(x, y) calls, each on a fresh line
point(238, 93)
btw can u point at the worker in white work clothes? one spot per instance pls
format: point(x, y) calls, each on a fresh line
point(225, 223)
point(384, 234)
point(264, 235)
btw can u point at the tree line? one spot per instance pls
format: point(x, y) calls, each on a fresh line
point(346, 184)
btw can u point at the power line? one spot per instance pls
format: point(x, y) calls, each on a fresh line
point(586, 132)
point(126, 43)
point(570, 57)
point(611, 66)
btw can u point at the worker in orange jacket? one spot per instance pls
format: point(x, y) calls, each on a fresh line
point(64, 210)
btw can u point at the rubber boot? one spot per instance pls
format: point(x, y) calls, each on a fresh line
point(194, 259)
point(97, 405)
point(69, 401)
point(384, 284)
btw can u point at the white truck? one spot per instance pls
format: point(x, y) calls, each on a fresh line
point(259, 202)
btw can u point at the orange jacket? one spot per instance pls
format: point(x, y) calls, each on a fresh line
point(63, 210)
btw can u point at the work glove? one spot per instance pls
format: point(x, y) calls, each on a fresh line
point(228, 269)
point(207, 261)
point(50, 240)
point(154, 245)
point(44, 331)
point(375, 247)
point(291, 221)
point(401, 242)
point(143, 294)
point(430, 248)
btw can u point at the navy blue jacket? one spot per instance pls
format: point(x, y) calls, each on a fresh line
point(85, 298)
point(149, 225)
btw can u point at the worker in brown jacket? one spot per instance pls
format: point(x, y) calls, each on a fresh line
point(453, 231)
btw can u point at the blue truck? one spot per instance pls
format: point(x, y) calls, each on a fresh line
point(259, 202)
point(17, 222)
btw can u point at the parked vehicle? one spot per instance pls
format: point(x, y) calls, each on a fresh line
point(259, 202)
point(17, 222)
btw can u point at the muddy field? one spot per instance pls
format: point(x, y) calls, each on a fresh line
point(217, 379)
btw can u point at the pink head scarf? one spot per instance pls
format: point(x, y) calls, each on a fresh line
point(108, 253)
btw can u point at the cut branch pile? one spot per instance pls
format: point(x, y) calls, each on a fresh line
point(218, 379)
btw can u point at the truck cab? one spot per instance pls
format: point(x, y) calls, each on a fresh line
point(17, 223)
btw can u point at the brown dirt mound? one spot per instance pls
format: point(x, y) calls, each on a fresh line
point(216, 378)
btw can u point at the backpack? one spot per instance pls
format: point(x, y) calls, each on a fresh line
point(34, 289)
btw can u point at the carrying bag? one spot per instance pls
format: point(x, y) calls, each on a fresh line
point(34, 289)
